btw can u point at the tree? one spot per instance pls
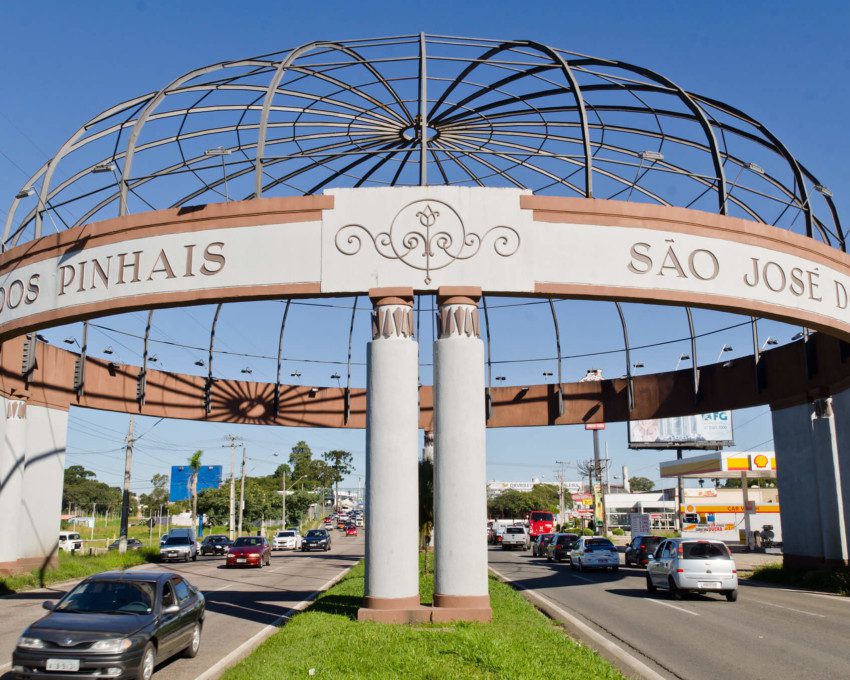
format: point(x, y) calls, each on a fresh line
point(640, 484)
point(158, 495)
point(82, 490)
point(195, 467)
point(341, 463)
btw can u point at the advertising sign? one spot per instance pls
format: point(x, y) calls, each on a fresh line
point(209, 477)
point(702, 431)
point(641, 523)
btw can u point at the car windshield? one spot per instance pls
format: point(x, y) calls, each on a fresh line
point(652, 541)
point(564, 539)
point(109, 597)
point(599, 542)
point(73, 537)
point(516, 530)
point(285, 534)
point(542, 517)
point(705, 551)
point(177, 540)
point(246, 541)
point(316, 533)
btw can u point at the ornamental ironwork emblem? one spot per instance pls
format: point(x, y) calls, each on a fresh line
point(427, 235)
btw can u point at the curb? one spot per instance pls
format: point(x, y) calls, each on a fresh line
point(626, 662)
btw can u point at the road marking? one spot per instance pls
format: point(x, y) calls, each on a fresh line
point(600, 640)
point(834, 598)
point(214, 590)
point(791, 609)
point(667, 604)
point(251, 643)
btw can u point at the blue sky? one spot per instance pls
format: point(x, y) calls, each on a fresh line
point(787, 64)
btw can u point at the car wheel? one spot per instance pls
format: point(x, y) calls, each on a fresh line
point(548, 558)
point(675, 592)
point(615, 569)
point(650, 586)
point(580, 566)
point(186, 557)
point(732, 595)
point(195, 557)
point(191, 650)
point(147, 663)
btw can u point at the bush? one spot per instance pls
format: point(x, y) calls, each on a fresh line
point(617, 531)
point(587, 532)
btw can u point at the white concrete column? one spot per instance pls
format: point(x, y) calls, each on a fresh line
point(460, 480)
point(392, 459)
point(41, 495)
point(12, 462)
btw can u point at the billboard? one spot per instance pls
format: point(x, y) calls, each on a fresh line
point(702, 431)
point(209, 477)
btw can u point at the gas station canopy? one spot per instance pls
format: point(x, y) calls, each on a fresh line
point(724, 465)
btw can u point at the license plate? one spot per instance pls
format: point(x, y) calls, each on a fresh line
point(708, 584)
point(72, 665)
point(240, 560)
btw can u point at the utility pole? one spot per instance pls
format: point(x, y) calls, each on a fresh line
point(283, 499)
point(605, 490)
point(560, 476)
point(680, 497)
point(125, 497)
point(597, 466)
point(232, 441)
point(242, 492)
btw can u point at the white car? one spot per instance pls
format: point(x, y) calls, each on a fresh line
point(594, 552)
point(288, 539)
point(692, 565)
point(70, 541)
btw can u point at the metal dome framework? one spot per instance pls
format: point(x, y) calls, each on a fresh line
point(423, 109)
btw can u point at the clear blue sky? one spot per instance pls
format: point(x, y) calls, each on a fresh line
point(787, 64)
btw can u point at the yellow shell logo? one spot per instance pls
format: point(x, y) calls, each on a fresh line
point(761, 461)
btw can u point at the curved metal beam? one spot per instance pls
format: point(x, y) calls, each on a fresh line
point(141, 384)
point(694, 361)
point(280, 359)
point(558, 349)
point(209, 382)
point(80, 364)
point(347, 394)
point(631, 387)
point(488, 394)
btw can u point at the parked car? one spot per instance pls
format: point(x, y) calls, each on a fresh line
point(178, 548)
point(70, 541)
point(132, 544)
point(538, 545)
point(560, 546)
point(316, 539)
point(516, 537)
point(351, 530)
point(215, 544)
point(682, 565)
point(162, 615)
point(359, 522)
point(249, 551)
point(640, 548)
point(289, 539)
point(594, 552)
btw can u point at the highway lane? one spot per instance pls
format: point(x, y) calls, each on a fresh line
point(768, 633)
point(240, 602)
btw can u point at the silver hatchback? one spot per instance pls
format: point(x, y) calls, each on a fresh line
point(682, 565)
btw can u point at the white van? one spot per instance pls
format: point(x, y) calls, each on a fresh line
point(70, 541)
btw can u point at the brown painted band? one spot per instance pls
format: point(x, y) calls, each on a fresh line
point(391, 603)
point(458, 295)
point(462, 601)
point(391, 296)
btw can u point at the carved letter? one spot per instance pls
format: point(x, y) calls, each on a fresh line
point(642, 258)
point(781, 286)
point(32, 289)
point(755, 274)
point(122, 265)
point(671, 257)
point(715, 265)
point(814, 284)
point(797, 287)
point(19, 284)
point(190, 253)
point(217, 258)
point(82, 283)
point(66, 277)
point(840, 295)
point(165, 268)
point(99, 271)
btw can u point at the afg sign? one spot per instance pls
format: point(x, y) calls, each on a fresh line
point(701, 431)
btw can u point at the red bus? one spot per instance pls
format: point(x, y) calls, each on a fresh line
point(540, 522)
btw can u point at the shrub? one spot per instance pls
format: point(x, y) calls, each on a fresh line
point(587, 532)
point(617, 531)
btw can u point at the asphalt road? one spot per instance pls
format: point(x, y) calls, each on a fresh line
point(769, 632)
point(240, 602)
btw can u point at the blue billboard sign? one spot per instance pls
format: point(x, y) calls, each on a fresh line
point(209, 477)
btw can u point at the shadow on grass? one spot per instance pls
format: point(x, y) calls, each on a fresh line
point(338, 605)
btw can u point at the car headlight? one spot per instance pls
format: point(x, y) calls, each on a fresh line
point(111, 645)
point(30, 642)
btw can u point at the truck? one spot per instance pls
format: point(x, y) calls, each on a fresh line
point(516, 537)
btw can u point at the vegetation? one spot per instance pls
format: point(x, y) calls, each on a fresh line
point(833, 581)
point(617, 531)
point(341, 462)
point(426, 508)
point(84, 494)
point(514, 504)
point(641, 484)
point(158, 496)
point(74, 567)
point(520, 643)
point(195, 467)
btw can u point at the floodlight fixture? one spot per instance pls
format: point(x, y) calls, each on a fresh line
point(109, 350)
point(153, 358)
point(501, 378)
point(770, 341)
point(637, 364)
point(725, 348)
point(39, 336)
point(199, 362)
point(650, 155)
point(797, 336)
point(69, 341)
point(218, 151)
point(823, 190)
point(23, 193)
point(104, 167)
point(296, 374)
point(247, 370)
point(754, 168)
point(682, 357)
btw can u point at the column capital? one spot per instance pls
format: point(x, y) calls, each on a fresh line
point(458, 295)
point(391, 296)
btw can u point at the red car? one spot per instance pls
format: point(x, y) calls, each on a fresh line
point(351, 530)
point(249, 551)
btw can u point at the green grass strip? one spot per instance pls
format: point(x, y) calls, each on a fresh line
point(74, 567)
point(520, 643)
point(833, 581)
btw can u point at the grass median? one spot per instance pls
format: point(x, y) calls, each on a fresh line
point(835, 581)
point(519, 643)
point(74, 567)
